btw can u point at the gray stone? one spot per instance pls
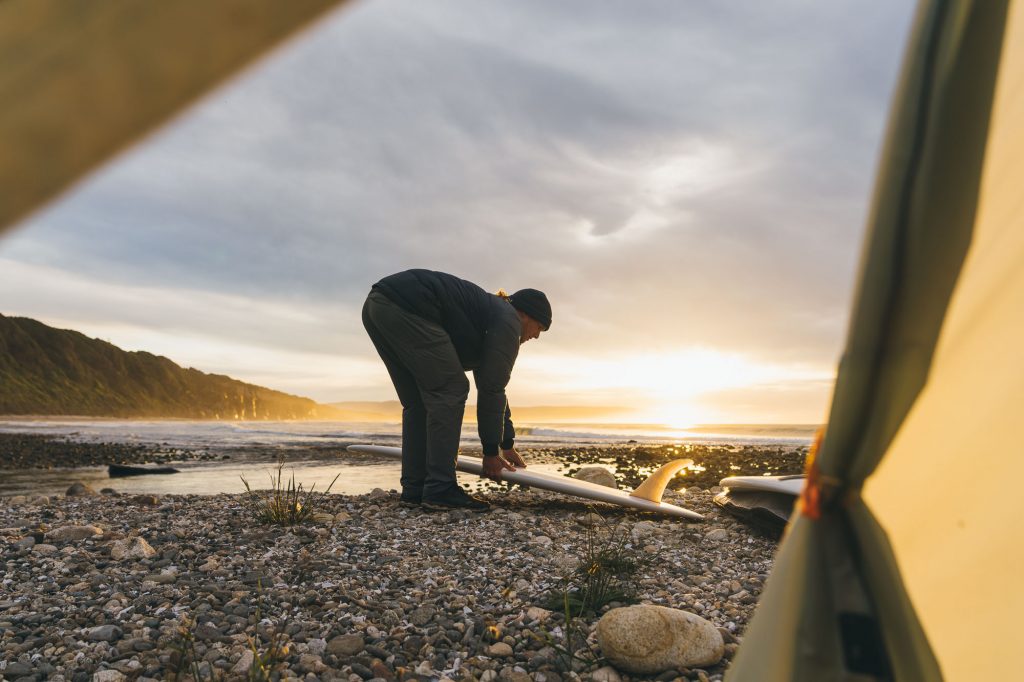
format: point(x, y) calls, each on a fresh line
point(510, 674)
point(642, 529)
point(73, 533)
point(162, 578)
point(108, 676)
point(649, 639)
point(499, 649)
point(16, 669)
point(717, 535)
point(537, 613)
point(131, 548)
point(422, 615)
point(104, 633)
point(25, 543)
point(346, 645)
point(598, 475)
point(80, 490)
point(311, 663)
point(244, 663)
point(605, 674)
point(207, 632)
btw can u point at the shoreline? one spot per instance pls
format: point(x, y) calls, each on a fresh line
point(370, 589)
point(45, 451)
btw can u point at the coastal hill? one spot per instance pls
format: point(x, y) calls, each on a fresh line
point(47, 371)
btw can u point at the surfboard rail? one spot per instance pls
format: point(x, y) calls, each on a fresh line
point(646, 497)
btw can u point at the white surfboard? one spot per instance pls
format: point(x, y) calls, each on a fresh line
point(646, 497)
point(788, 485)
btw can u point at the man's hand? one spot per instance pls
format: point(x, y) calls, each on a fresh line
point(493, 466)
point(513, 457)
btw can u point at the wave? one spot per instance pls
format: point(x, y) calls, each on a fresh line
point(208, 434)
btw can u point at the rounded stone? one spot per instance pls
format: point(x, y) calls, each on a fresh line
point(597, 475)
point(73, 533)
point(104, 633)
point(649, 639)
point(345, 645)
point(500, 649)
point(717, 535)
point(80, 490)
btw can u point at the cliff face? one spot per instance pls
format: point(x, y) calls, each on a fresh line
point(51, 371)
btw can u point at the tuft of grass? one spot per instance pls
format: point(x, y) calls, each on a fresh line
point(286, 503)
point(604, 574)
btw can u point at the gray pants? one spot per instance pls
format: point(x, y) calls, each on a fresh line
point(432, 387)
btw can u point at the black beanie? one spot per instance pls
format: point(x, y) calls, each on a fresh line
point(534, 303)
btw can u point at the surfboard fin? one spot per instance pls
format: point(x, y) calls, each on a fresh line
point(654, 487)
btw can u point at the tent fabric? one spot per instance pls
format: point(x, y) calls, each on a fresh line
point(960, 444)
point(835, 607)
point(80, 80)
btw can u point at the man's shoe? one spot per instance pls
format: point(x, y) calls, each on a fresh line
point(410, 499)
point(455, 498)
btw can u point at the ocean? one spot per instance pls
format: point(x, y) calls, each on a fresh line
point(314, 451)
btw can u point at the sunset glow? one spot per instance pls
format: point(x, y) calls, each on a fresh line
point(693, 208)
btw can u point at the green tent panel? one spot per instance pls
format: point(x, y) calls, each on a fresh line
point(910, 569)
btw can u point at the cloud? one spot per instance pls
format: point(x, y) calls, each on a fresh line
point(674, 175)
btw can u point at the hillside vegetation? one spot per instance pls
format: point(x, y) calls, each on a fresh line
point(49, 371)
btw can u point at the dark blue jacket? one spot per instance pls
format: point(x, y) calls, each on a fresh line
point(483, 327)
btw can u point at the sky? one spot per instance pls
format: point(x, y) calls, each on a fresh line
point(688, 182)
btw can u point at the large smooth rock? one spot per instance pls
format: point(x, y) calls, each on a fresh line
point(131, 548)
point(598, 475)
point(73, 533)
point(649, 639)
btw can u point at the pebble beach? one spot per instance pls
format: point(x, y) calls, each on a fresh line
point(143, 587)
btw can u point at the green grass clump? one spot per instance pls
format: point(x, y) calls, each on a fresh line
point(286, 503)
point(604, 574)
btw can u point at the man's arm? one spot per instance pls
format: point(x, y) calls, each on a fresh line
point(493, 416)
